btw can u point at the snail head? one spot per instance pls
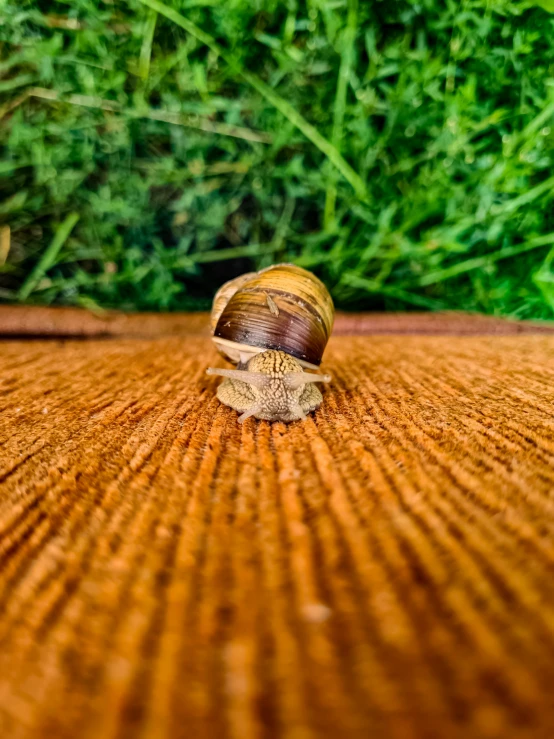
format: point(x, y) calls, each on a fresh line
point(272, 386)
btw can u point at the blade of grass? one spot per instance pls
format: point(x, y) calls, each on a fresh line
point(15, 82)
point(176, 119)
point(527, 197)
point(220, 255)
point(283, 224)
point(537, 122)
point(5, 243)
point(14, 103)
point(146, 48)
point(510, 206)
point(376, 288)
point(49, 256)
point(484, 261)
point(282, 105)
point(14, 203)
point(339, 110)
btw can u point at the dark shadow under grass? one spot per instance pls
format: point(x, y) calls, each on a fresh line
point(403, 151)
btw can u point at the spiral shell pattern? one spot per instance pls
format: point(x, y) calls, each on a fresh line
point(283, 307)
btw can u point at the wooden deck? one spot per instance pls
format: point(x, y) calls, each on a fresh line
point(382, 569)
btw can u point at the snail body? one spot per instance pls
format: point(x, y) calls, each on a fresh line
point(273, 325)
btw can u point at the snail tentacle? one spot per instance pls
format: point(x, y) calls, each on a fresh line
point(252, 411)
point(296, 379)
point(257, 379)
point(297, 412)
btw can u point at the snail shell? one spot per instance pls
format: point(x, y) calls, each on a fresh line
point(224, 294)
point(284, 308)
point(272, 324)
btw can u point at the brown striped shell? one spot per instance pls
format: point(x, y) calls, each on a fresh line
point(224, 294)
point(283, 307)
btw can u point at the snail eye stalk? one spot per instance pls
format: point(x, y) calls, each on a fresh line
point(257, 379)
point(296, 379)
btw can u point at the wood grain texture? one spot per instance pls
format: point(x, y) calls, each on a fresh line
point(382, 569)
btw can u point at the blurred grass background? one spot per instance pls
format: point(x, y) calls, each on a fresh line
point(401, 150)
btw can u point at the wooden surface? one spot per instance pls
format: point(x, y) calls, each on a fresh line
point(384, 568)
point(29, 321)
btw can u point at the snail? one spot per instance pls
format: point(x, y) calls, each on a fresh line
point(273, 325)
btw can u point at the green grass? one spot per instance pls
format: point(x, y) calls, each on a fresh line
point(403, 151)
